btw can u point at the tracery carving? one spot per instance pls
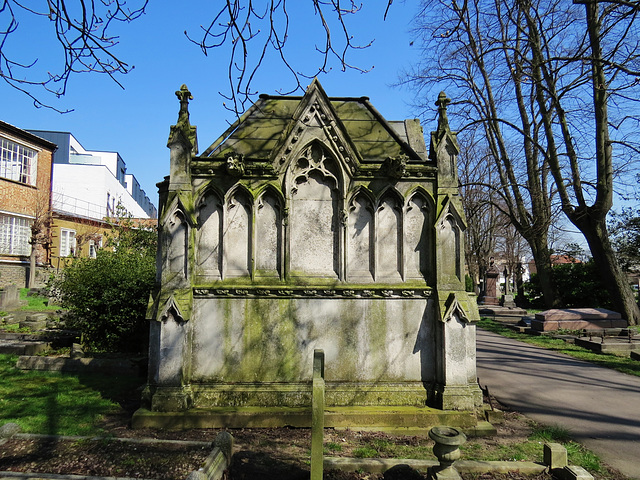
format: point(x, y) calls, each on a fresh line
point(313, 158)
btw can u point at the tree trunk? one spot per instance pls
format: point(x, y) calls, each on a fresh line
point(32, 267)
point(614, 279)
point(542, 259)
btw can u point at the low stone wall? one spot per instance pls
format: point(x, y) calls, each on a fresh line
point(82, 365)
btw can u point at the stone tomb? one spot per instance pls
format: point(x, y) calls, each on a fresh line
point(577, 319)
point(311, 223)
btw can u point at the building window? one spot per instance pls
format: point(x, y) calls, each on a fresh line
point(94, 247)
point(14, 235)
point(67, 242)
point(18, 162)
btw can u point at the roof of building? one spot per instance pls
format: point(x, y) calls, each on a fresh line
point(259, 133)
point(27, 136)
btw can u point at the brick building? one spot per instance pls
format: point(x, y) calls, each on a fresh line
point(25, 197)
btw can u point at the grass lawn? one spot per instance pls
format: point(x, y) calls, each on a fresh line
point(59, 403)
point(622, 364)
point(36, 303)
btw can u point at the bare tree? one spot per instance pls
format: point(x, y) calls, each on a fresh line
point(479, 207)
point(468, 48)
point(83, 32)
point(252, 29)
point(545, 77)
point(40, 239)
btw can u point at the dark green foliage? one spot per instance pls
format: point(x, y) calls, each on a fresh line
point(578, 285)
point(107, 296)
point(625, 237)
point(468, 284)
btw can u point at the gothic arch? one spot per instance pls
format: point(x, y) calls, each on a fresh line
point(418, 236)
point(209, 235)
point(314, 186)
point(360, 236)
point(237, 232)
point(267, 239)
point(176, 234)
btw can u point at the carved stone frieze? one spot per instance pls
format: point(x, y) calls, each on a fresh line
point(369, 292)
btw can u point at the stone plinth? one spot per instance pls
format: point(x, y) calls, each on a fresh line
point(614, 346)
point(577, 319)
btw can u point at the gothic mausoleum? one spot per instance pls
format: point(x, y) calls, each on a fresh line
point(311, 223)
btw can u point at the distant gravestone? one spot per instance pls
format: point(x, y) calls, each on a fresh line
point(312, 223)
point(577, 319)
point(491, 285)
point(9, 297)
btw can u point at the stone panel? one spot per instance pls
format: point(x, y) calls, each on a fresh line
point(237, 236)
point(208, 237)
point(388, 241)
point(417, 239)
point(314, 227)
point(268, 236)
point(273, 339)
point(360, 240)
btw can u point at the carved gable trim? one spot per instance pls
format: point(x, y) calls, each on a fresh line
point(316, 119)
point(452, 306)
point(450, 209)
point(178, 206)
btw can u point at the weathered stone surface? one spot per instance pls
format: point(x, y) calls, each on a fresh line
point(577, 319)
point(8, 430)
point(9, 297)
point(312, 223)
point(554, 455)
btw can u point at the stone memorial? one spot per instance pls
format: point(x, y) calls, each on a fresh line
point(311, 223)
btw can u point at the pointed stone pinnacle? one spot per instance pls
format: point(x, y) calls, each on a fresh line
point(441, 103)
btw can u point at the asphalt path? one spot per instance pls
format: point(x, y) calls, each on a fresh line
point(600, 407)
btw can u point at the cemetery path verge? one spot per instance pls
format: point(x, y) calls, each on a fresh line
point(597, 405)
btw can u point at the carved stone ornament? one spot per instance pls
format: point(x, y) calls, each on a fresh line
point(395, 167)
point(235, 165)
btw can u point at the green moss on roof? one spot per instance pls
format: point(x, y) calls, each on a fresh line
point(262, 128)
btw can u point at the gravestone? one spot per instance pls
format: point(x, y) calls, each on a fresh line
point(490, 296)
point(311, 223)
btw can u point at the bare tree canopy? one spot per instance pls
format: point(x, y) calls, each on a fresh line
point(554, 89)
point(82, 29)
point(251, 33)
point(254, 29)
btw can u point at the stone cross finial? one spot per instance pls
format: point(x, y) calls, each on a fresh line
point(184, 95)
point(441, 103)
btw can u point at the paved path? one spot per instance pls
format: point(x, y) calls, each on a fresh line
point(600, 407)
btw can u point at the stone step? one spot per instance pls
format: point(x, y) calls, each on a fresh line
point(379, 418)
point(23, 348)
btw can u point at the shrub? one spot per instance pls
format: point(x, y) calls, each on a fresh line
point(578, 285)
point(107, 296)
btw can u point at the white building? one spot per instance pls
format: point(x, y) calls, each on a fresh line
point(91, 184)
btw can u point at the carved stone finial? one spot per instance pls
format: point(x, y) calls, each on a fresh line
point(184, 95)
point(441, 103)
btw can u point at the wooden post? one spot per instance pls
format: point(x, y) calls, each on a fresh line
point(317, 416)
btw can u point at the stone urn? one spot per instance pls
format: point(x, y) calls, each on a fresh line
point(447, 450)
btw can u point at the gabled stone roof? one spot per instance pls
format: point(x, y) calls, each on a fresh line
point(263, 128)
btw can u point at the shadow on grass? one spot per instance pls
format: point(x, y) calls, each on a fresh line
point(62, 403)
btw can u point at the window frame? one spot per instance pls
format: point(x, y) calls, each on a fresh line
point(12, 231)
point(18, 161)
point(67, 245)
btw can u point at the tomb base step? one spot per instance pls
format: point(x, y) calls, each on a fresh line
point(409, 419)
point(611, 346)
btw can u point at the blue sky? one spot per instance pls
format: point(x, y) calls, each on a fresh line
point(135, 121)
